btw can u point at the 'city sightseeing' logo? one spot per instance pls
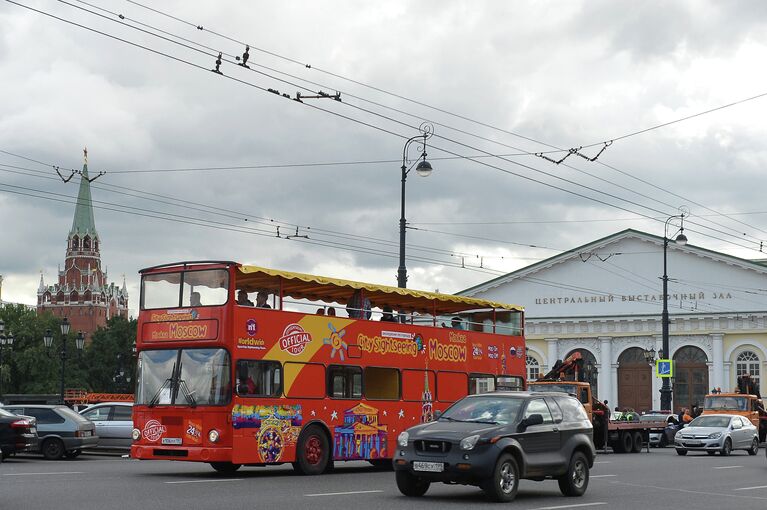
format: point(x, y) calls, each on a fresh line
point(294, 339)
point(153, 430)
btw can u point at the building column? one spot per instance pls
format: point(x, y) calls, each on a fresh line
point(656, 381)
point(613, 385)
point(726, 385)
point(605, 362)
point(717, 369)
point(553, 353)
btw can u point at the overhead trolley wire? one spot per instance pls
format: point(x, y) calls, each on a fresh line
point(396, 134)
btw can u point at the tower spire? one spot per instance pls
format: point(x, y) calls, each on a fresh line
point(83, 221)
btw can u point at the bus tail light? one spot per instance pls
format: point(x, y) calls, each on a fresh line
point(213, 436)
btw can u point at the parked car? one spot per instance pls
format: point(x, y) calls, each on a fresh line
point(62, 432)
point(17, 434)
point(665, 438)
point(718, 433)
point(493, 440)
point(114, 424)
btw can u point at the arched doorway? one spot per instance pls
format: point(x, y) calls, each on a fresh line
point(590, 371)
point(690, 377)
point(634, 380)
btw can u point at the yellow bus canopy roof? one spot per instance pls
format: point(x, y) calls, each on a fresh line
point(320, 288)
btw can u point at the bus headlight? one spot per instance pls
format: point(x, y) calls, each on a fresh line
point(402, 438)
point(213, 436)
point(136, 434)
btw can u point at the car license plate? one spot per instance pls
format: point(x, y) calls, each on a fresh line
point(171, 440)
point(86, 433)
point(432, 467)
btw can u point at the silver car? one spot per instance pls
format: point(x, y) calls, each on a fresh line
point(114, 424)
point(721, 433)
point(62, 432)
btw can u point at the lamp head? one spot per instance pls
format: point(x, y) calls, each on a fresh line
point(681, 239)
point(9, 339)
point(80, 341)
point(65, 326)
point(424, 168)
point(2, 327)
point(48, 339)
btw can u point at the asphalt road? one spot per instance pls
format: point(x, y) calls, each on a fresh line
point(659, 479)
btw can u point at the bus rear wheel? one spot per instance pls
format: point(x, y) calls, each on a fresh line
point(225, 467)
point(312, 451)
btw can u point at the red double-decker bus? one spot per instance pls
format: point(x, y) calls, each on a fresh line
point(231, 381)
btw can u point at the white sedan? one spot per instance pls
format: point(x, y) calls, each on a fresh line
point(721, 433)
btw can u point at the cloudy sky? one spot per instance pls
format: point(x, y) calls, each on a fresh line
point(500, 82)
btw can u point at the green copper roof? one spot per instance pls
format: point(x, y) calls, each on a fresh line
point(84, 222)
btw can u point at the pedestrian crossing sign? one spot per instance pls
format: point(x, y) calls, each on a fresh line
point(664, 368)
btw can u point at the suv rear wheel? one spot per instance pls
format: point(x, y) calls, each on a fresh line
point(576, 480)
point(504, 483)
point(410, 485)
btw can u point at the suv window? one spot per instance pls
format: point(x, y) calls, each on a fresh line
point(538, 406)
point(572, 409)
point(556, 412)
point(44, 415)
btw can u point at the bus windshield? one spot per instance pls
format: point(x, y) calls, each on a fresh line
point(183, 377)
point(208, 287)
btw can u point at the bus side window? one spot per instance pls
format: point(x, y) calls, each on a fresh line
point(381, 383)
point(259, 378)
point(451, 386)
point(344, 381)
point(481, 383)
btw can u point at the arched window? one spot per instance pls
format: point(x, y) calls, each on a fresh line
point(75, 242)
point(86, 243)
point(748, 363)
point(533, 368)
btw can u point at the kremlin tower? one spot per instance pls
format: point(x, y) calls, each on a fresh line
point(82, 293)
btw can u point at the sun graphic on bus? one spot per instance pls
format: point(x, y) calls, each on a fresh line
point(335, 341)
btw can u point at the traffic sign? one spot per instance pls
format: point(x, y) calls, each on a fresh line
point(664, 368)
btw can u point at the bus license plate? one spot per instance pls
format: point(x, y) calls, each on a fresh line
point(432, 467)
point(171, 440)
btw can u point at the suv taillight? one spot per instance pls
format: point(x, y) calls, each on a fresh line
point(21, 424)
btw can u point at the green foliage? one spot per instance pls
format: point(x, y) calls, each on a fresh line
point(31, 368)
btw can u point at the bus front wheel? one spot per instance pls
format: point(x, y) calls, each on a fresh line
point(312, 451)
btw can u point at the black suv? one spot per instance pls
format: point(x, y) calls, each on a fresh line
point(492, 440)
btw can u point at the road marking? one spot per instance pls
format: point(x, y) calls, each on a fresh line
point(339, 493)
point(569, 506)
point(50, 473)
point(214, 481)
point(727, 467)
point(603, 462)
point(601, 476)
point(688, 491)
point(751, 488)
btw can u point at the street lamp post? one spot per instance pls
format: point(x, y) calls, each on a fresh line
point(424, 170)
point(4, 340)
point(681, 239)
point(79, 343)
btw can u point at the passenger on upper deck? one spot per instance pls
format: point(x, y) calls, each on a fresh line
point(194, 299)
point(261, 298)
point(357, 308)
point(242, 298)
point(331, 312)
point(320, 311)
point(388, 315)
